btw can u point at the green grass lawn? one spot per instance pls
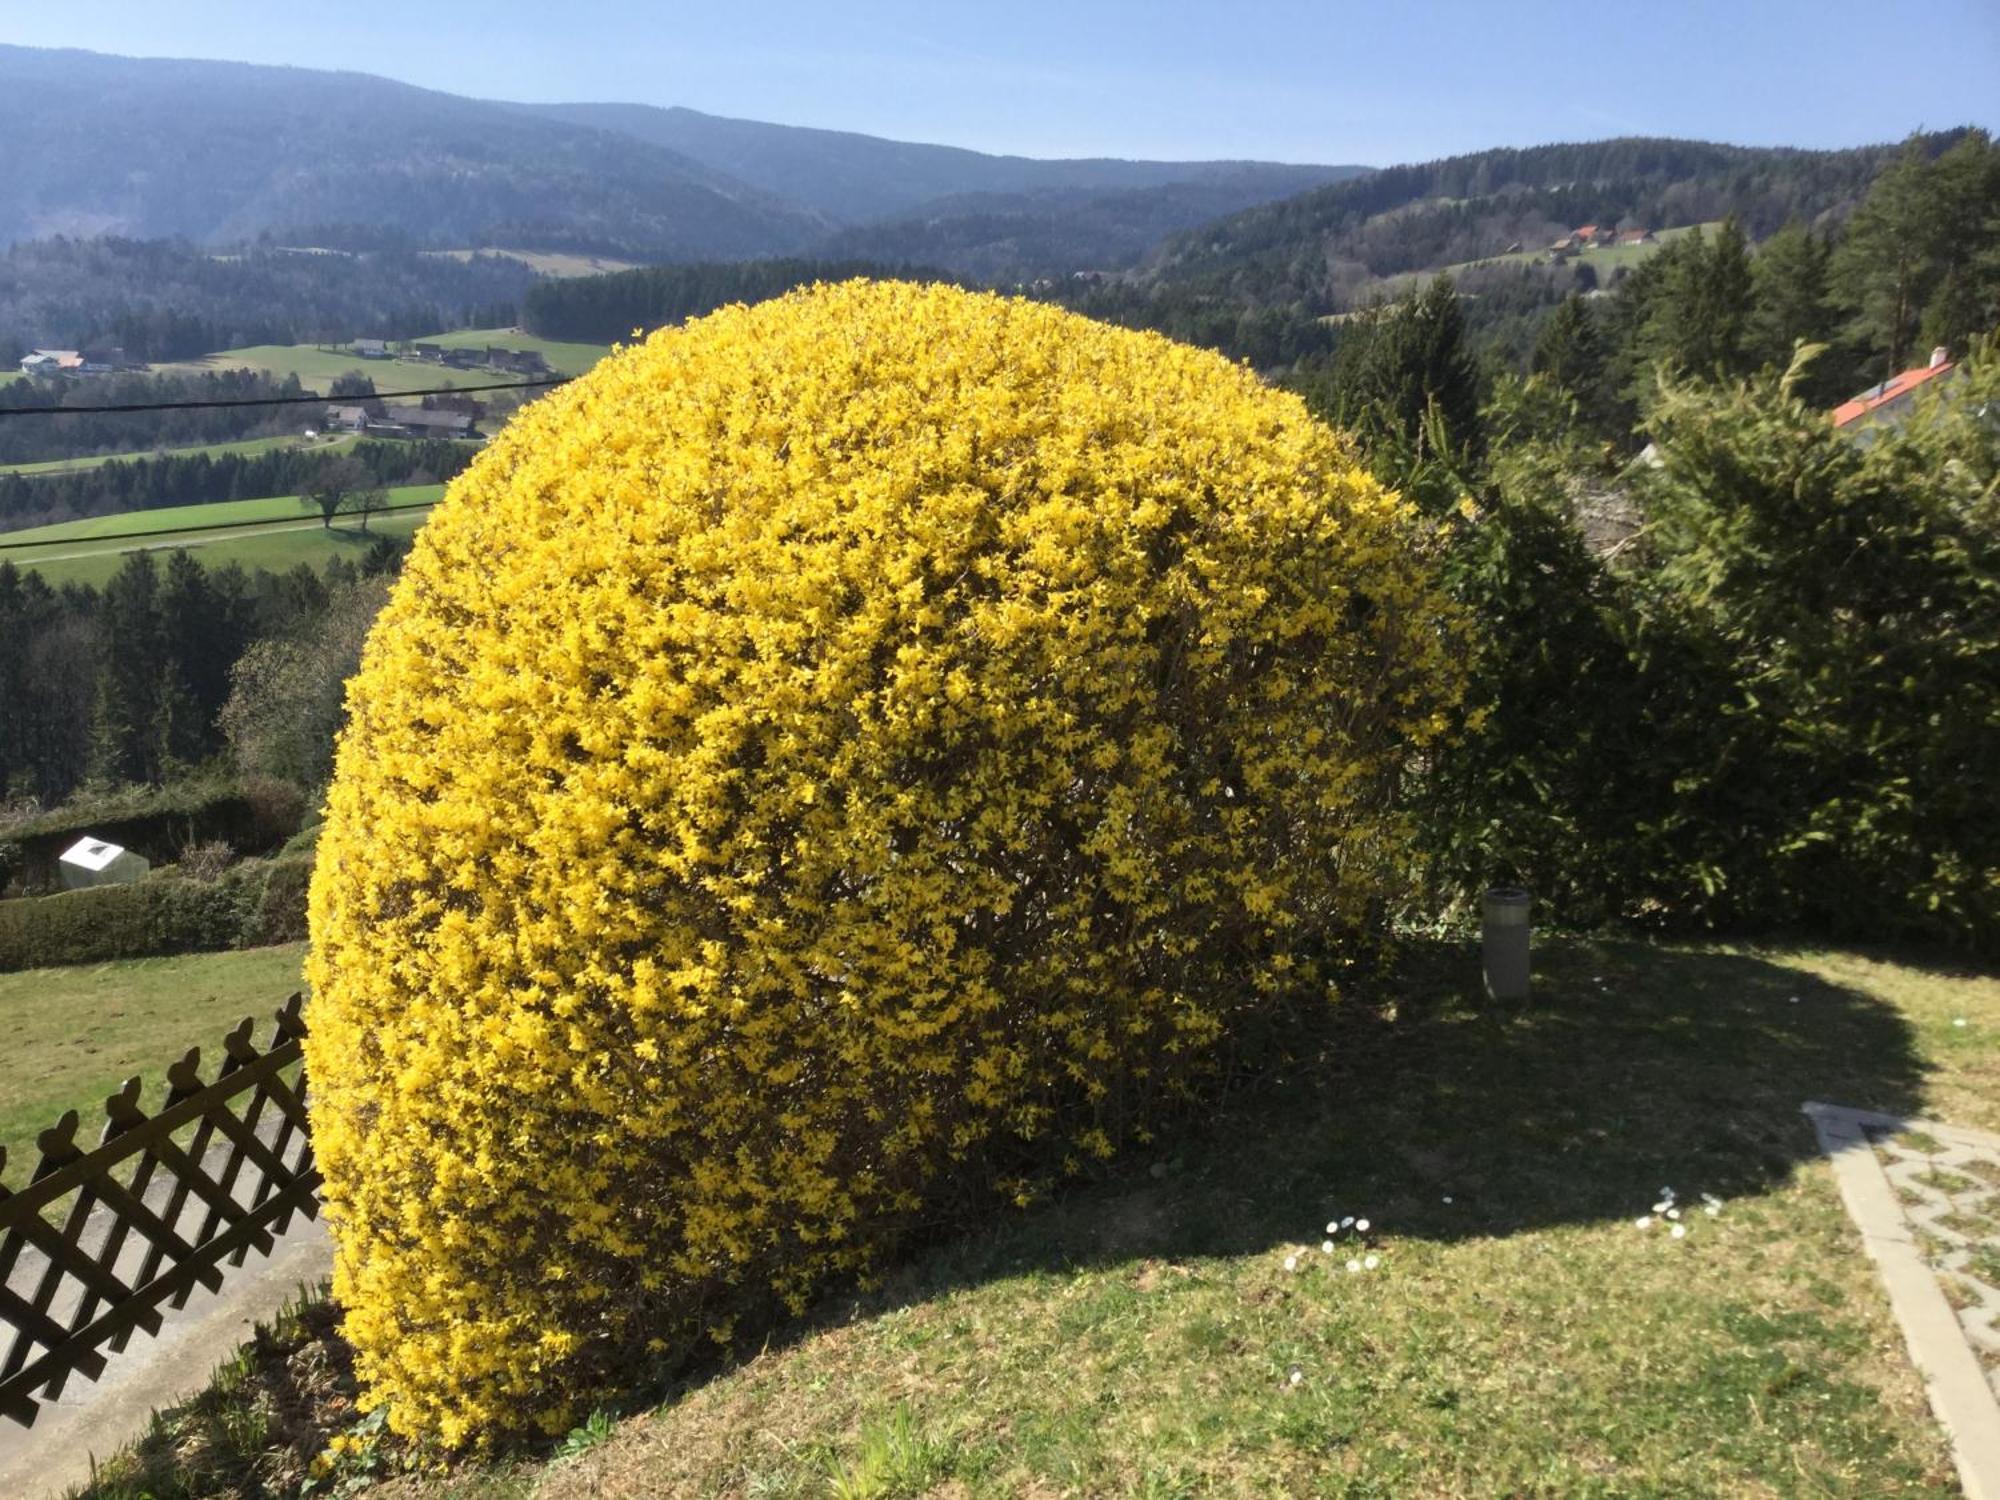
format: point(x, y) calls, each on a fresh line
point(316, 368)
point(84, 551)
point(564, 358)
point(247, 448)
point(548, 262)
point(1604, 259)
point(74, 1035)
point(1519, 1334)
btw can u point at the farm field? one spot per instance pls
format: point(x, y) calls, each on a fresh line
point(246, 448)
point(1604, 259)
point(75, 1034)
point(317, 368)
point(86, 551)
point(548, 262)
point(564, 358)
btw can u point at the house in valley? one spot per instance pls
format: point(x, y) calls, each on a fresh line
point(371, 348)
point(518, 361)
point(422, 422)
point(52, 362)
point(346, 418)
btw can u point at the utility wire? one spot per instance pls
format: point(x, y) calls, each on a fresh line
point(442, 390)
point(126, 536)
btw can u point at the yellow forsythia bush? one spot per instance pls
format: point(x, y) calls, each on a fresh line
point(837, 755)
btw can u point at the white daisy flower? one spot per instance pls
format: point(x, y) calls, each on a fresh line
point(1291, 1262)
point(1643, 1223)
point(1354, 1265)
point(1326, 1247)
point(1297, 1375)
point(1447, 1197)
point(1372, 1262)
point(1680, 1231)
point(1673, 1213)
point(1347, 1221)
point(1360, 1226)
point(1333, 1226)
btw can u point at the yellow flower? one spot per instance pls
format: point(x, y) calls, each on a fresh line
point(824, 755)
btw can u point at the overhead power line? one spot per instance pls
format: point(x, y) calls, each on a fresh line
point(127, 536)
point(442, 390)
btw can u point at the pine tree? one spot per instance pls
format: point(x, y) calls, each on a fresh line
point(1404, 372)
point(1569, 351)
point(131, 675)
point(1699, 320)
point(1883, 265)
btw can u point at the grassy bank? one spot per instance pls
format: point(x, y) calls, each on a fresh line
point(91, 551)
point(74, 1035)
point(247, 448)
point(1177, 1329)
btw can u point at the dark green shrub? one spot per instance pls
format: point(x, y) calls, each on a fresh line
point(251, 904)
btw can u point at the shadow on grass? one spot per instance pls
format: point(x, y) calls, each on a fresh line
point(1634, 1067)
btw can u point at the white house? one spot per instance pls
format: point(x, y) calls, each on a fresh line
point(52, 362)
point(94, 862)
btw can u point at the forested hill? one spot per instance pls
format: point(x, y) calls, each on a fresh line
point(854, 178)
point(217, 152)
point(1322, 249)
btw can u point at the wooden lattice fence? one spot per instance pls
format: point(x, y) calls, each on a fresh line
point(101, 1240)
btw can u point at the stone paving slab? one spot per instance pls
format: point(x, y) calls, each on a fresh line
point(1926, 1198)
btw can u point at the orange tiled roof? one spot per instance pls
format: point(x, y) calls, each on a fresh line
point(1876, 397)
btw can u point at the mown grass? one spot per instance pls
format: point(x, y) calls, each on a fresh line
point(317, 368)
point(1519, 1336)
point(75, 1034)
point(549, 262)
point(564, 358)
point(88, 551)
point(245, 448)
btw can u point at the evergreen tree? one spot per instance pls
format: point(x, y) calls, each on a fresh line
point(1569, 351)
point(1699, 320)
point(132, 674)
point(1404, 379)
point(1882, 266)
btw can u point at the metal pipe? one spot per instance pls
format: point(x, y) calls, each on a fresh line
point(1503, 943)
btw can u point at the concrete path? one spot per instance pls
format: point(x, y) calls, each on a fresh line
point(94, 1419)
point(1926, 1198)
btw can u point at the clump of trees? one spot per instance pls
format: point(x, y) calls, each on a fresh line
point(1767, 695)
point(145, 681)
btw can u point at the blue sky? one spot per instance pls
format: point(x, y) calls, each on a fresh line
point(1327, 81)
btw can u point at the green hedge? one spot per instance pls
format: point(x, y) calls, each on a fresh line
point(252, 817)
point(254, 903)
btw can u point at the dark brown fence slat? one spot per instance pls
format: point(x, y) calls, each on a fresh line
point(124, 1249)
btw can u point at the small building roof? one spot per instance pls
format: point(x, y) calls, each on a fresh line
point(417, 416)
point(1889, 391)
point(91, 854)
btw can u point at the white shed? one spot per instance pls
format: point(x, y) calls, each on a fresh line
point(94, 862)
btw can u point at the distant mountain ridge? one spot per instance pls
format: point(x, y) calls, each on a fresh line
point(220, 152)
point(856, 179)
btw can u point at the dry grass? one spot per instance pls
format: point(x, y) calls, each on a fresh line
point(1144, 1337)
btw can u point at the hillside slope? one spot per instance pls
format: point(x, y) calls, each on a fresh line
point(217, 152)
point(1326, 248)
point(853, 178)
